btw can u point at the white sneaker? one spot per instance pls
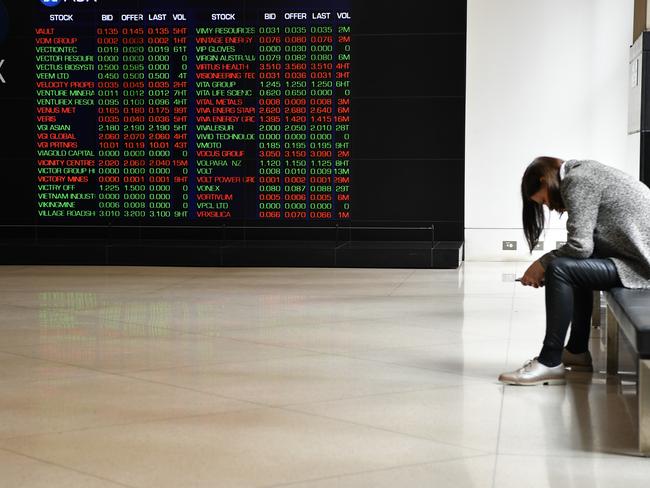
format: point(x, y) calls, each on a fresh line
point(535, 373)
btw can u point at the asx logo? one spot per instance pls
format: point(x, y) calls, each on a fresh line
point(54, 3)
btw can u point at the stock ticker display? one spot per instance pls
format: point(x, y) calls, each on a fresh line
point(227, 111)
point(194, 114)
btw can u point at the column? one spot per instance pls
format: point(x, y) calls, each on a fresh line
point(180, 119)
point(295, 117)
point(321, 128)
point(342, 97)
point(270, 169)
point(109, 122)
point(134, 96)
point(224, 116)
point(159, 119)
point(64, 98)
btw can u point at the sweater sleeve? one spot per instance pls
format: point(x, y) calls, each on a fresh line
point(581, 195)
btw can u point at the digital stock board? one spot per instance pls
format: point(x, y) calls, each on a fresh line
point(198, 112)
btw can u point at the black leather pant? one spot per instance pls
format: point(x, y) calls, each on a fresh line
point(569, 286)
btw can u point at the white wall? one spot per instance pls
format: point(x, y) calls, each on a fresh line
point(544, 77)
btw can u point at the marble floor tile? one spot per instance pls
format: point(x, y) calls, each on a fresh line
point(587, 417)
point(478, 358)
point(166, 349)
point(469, 472)
point(446, 414)
point(45, 326)
point(302, 379)
point(554, 471)
point(172, 377)
point(250, 448)
point(66, 404)
point(356, 335)
point(23, 369)
point(23, 471)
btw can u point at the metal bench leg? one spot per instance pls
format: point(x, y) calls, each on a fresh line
point(595, 311)
point(612, 343)
point(644, 406)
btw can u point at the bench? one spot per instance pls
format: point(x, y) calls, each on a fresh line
point(628, 312)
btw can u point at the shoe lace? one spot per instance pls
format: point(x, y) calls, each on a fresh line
point(526, 365)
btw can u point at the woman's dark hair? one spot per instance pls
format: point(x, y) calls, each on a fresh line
point(548, 169)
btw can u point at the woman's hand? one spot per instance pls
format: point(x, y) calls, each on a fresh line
point(534, 275)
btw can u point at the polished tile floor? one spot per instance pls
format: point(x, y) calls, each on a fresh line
point(267, 377)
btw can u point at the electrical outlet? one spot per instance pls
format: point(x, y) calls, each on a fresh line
point(559, 244)
point(539, 246)
point(509, 245)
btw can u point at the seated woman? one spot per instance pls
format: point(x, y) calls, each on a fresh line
point(608, 245)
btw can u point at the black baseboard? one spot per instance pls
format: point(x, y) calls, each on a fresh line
point(358, 254)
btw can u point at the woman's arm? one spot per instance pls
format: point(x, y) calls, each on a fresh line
point(581, 193)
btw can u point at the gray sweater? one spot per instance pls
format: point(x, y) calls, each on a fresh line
point(608, 217)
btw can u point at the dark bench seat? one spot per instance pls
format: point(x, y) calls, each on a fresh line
point(632, 311)
point(628, 312)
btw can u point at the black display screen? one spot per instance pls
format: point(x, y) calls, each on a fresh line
point(196, 112)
